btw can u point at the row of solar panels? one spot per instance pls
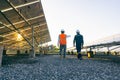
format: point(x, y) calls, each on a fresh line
point(110, 42)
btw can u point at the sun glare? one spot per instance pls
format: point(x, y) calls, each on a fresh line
point(19, 37)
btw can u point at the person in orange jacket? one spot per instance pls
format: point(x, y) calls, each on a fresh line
point(62, 42)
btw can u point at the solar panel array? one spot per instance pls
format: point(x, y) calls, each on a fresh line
point(21, 22)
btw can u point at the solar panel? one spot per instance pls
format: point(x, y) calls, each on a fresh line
point(18, 17)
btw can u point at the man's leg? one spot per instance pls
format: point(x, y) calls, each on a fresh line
point(80, 55)
point(60, 53)
point(78, 51)
point(64, 51)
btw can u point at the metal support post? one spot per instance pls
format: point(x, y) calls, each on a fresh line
point(1, 54)
point(108, 52)
point(33, 52)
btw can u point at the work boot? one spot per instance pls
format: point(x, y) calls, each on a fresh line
point(79, 56)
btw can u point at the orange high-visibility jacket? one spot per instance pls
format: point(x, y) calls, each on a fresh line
point(62, 39)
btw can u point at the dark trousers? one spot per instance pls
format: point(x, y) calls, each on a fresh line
point(78, 47)
point(63, 50)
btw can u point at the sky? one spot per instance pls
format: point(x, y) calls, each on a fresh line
point(94, 18)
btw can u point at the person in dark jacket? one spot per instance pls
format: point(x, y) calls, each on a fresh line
point(78, 43)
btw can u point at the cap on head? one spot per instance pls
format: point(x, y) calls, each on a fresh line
point(77, 31)
point(62, 30)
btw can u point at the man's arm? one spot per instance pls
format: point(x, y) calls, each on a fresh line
point(58, 44)
point(74, 41)
point(82, 42)
point(68, 36)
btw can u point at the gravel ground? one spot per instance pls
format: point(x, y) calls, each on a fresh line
point(52, 67)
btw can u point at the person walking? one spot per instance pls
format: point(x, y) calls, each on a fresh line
point(62, 43)
point(78, 42)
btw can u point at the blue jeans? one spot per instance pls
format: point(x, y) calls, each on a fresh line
point(63, 50)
